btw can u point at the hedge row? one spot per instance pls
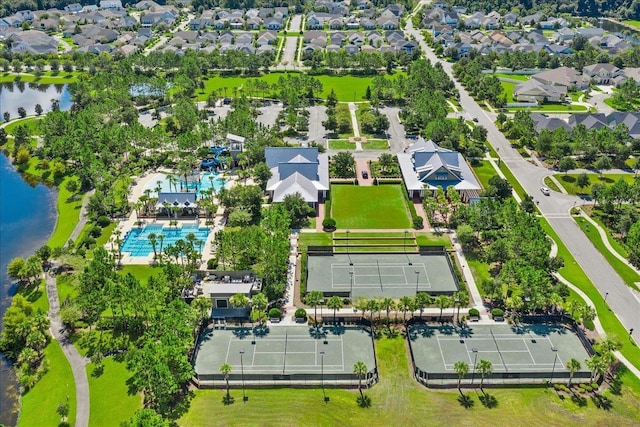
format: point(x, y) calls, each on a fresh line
point(416, 220)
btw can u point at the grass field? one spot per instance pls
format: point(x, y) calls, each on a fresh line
point(35, 295)
point(627, 274)
point(507, 89)
point(48, 77)
point(348, 88)
point(56, 386)
point(484, 171)
point(632, 22)
point(379, 206)
point(111, 403)
point(555, 108)
point(568, 181)
point(30, 122)
point(341, 144)
point(399, 400)
point(68, 216)
point(141, 272)
point(376, 144)
point(626, 105)
point(521, 77)
point(512, 180)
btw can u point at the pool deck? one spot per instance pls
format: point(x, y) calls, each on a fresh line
point(128, 224)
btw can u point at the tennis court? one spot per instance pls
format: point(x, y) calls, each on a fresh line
point(284, 352)
point(515, 351)
point(380, 275)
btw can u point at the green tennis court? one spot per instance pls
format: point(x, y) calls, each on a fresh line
point(283, 352)
point(380, 275)
point(515, 351)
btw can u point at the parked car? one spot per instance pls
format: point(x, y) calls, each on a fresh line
point(475, 119)
point(545, 191)
point(365, 175)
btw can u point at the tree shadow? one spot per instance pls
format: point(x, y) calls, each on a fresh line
point(364, 401)
point(466, 401)
point(227, 400)
point(391, 332)
point(602, 402)
point(98, 370)
point(182, 405)
point(581, 401)
point(241, 333)
point(489, 401)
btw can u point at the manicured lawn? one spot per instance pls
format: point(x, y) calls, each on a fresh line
point(632, 22)
point(36, 295)
point(30, 122)
point(373, 234)
point(111, 403)
point(40, 403)
point(507, 89)
point(376, 144)
point(341, 144)
point(521, 77)
point(141, 272)
point(381, 206)
point(559, 108)
point(574, 273)
point(484, 171)
point(551, 184)
point(512, 180)
point(431, 239)
point(66, 287)
point(46, 78)
point(399, 400)
point(568, 181)
point(68, 216)
point(627, 274)
point(626, 105)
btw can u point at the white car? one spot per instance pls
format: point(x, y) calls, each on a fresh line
point(545, 191)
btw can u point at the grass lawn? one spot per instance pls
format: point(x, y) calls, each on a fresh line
point(512, 180)
point(507, 89)
point(556, 108)
point(574, 273)
point(484, 171)
point(613, 242)
point(341, 144)
point(30, 122)
point(551, 184)
point(68, 216)
point(381, 206)
point(626, 273)
point(141, 272)
point(376, 144)
point(40, 403)
point(48, 77)
point(111, 403)
point(521, 77)
point(431, 239)
point(568, 181)
point(355, 235)
point(398, 398)
point(36, 295)
point(66, 287)
point(632, 22)
point(626, 105)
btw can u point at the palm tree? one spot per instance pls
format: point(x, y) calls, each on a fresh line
point(462, 369)
point(461, 298)
point(239, 300)
point(610, 345)
point(573, 306)
point(373, 306)
point(422, 300)
point(484, 368)
point(587, 314)
point(573, 365)
point(314, 298)
point(360, 369)
point(334, 303)
point(259, 303)
point(161, 238)
point(597, 366)
point(202, 305)
point(153, 240)
point(405, 304)
point(225, 369)
point(442, 301)
point(387, 305)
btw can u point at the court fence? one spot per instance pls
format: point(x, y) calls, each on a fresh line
point(473, 378)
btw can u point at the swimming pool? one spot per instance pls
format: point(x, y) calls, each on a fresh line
point(207, 180)
point(136, 241)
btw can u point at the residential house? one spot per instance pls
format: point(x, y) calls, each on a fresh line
point(602, 74)
point(535, 91)
point(563, 35)
point(553, 23)
point(73, 8)
point(387, 23)
point(532, 19)
point(267, 38)
point(111, 4)
point(510, 18)
point(562, 76)
point(589, 121)
point(356, 39)
point(351, 49)
point(275, 24)
point(450, 18)
point(297, 170)
point(32, 41)
point(425, 166)
point(542, 121)
point(157, 18)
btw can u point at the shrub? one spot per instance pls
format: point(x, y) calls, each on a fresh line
point(103, 221)
point(275, 313)
point(418, 222)
point(212, 264)
point(301, 313)
point(95, 231)
point(346, 301)
point(497, 312)
point(88, 241)
point(474, 312)
point(329, 224)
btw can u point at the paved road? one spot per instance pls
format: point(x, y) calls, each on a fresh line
point(623, 301)
point(294, 23)
point(164, 39)
point(395, 133)
point(287, 58)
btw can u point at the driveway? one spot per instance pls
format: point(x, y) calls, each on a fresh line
point(362, 165)
point(395, 133)
point(621, 299)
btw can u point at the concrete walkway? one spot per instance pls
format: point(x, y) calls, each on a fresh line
point(77, 362)
point(82, 220)
point(354, 123)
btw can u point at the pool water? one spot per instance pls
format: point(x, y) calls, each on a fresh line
point(136, 241)
point(207, 180)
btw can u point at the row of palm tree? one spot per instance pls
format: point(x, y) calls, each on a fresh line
point(377, 305)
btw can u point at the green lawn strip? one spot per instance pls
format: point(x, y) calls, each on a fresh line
point(45, 79)
point(568, 181)
point(512, 180)
point(551, 184)
point(373, 241)
point(141, 272)
point(341, 144)
point(366, 234)
point(431, 239)
point(68, 215)
point(507, 89)
point(613, 242)
point(484, 172)
point(111, 402)
point(397, 396)
point(623, 105)
point(376, 144)
point(30, 122)
point(380, 206)
point(66, 288)
point(632, 22)
point(56, 386)
point(550, 108)
point(625, 272)
point(574, 274)
point(373, 249)
point(521, 77)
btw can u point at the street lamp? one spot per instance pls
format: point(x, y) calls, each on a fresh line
point(244, 396)
point(555, 359)
point(351, 285)
point(606, 295)
point(324, 396)
point(475, 359)
point(350, 263)
point(457, 303)
point(405, 246)
point(417, 280)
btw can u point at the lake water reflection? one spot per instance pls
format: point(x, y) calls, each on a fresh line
point(26, 95)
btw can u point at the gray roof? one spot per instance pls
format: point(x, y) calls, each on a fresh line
point(297, 170)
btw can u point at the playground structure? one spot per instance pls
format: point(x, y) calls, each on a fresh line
point(218, 158)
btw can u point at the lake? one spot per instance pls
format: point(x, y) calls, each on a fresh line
point(27, 219)
point(27, 95)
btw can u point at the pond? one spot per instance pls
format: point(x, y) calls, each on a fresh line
point(26, 95)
